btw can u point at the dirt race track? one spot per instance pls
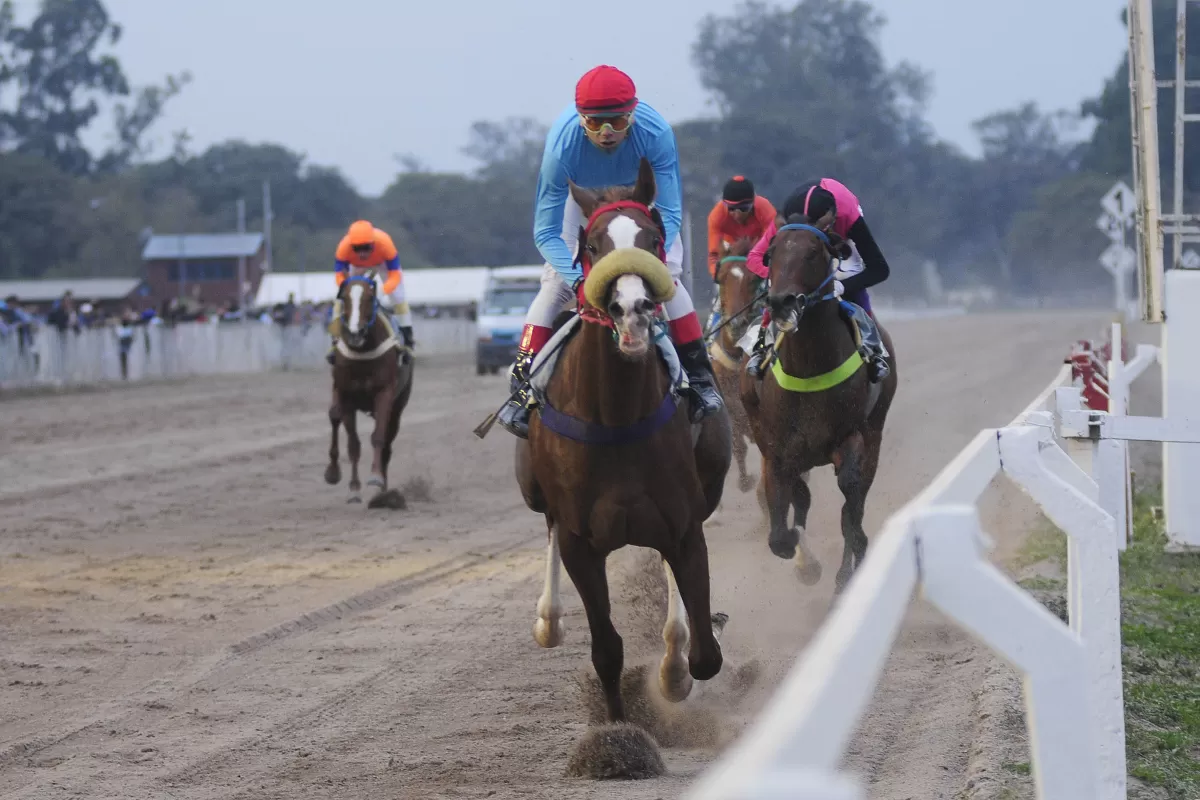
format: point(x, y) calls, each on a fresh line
point(188, 611)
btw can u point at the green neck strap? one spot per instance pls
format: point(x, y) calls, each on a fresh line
point(817, 383)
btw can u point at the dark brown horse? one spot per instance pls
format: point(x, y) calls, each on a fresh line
point(373, 373)
point(612, 459)
point(816, 405)
point(739, 287)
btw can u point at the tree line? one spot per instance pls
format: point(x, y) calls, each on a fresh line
point(802, 92)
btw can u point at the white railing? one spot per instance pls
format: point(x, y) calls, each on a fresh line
point(1073, 689)
point(159, 351)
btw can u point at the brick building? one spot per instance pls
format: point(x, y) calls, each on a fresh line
point(180, 265)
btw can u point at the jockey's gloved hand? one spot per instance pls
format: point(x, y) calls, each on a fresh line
point(838, 289)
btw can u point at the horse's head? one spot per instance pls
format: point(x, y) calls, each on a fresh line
point(622, 248)
point(801, 262)
point(739, 286)
point(360, 307)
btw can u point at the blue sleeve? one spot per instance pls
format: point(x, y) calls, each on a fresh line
point(549, 202)
point(393, 264)
point(668, 195)
point(340, 266)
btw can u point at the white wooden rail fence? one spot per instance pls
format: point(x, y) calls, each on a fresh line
point(194, 348)
point(1074, 463)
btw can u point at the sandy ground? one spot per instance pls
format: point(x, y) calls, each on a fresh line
point(188, 611)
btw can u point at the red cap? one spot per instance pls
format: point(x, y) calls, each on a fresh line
point(605, 90)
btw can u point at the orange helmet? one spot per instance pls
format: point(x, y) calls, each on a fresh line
point(361, 232)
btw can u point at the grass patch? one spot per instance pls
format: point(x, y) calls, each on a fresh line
point(1046, 542)
point(1018, 767)
point(1160, 628)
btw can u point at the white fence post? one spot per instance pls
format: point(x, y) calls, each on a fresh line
point(1094, 593)
point(959, 580)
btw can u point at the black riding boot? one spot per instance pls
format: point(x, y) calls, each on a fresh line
point(407, 334)
point(873, 352)
point(705, 397)
point(514, 416)
point(331, 355)
point(758, 356)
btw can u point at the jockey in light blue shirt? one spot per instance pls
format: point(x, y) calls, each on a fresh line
point(570, 154)
point(599, 143)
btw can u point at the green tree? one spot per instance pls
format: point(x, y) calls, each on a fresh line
point(57, 70)
point(38, 209)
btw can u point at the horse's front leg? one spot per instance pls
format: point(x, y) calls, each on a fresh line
point(777, 493)
point(548, 630)
point(806, 561)
point(689, 567)
point(333, 473)
point(353, 451)
point(586, 568)
point(855, 473)
point(379, 439)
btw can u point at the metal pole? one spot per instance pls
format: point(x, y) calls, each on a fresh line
point(1147, 101)
point(268, 216)
point(182, 267)
point(241, 276)
point(1180, 93)
point(1139, 240)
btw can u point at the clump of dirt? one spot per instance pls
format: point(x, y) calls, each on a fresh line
point(621, 751)
point(419, 488)
point(681, 725)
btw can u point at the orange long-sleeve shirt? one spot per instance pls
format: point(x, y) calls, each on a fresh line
point(384, 253)
point(723, 228)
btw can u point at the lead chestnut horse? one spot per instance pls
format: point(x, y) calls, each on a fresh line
point(815, 406)
point(740, 291)
point(373, 373)
point(612, 459)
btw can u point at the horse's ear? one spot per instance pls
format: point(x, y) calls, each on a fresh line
point(581, 243)
point(645, 188)
point(587, 200)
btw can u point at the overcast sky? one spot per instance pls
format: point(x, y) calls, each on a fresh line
point(352, 83)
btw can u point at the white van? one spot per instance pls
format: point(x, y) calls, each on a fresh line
point(506, 300)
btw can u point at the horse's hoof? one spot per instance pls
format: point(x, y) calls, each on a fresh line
point(376, 482)
point(549, 633)
point(809, 572)
point(719, 619)
point(353, 499)
point(673, 679)
point(782, 547)
point(333, 474)
point(746, 483)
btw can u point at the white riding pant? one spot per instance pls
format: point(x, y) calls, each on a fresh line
point(555, 294)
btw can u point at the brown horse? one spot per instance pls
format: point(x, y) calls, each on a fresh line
point(612, 459)
point(373, 373)
point(739, 288)
point(816, 406)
